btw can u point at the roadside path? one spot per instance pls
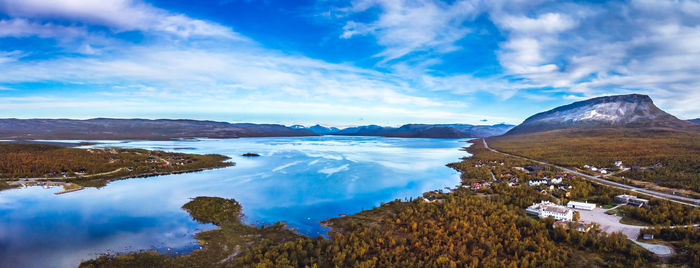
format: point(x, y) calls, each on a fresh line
point(673, 198)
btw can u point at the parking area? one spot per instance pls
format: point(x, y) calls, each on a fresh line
point(611, 224)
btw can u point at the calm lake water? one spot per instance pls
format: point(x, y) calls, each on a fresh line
point(300, 181)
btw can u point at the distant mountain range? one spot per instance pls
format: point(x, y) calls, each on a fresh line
point(621, 111)
point(696, 120)
point(321, 130)
point(116, 129)
point(418, 131)
point(163, 129)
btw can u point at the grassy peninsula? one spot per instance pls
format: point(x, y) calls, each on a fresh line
point(222, 246)
point(72, 168)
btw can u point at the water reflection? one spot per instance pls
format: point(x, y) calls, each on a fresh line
point(297, 180)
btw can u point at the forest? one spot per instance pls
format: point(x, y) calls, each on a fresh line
point(463, 231)
point(686, 241)
point(666, 158)
point(94, 167)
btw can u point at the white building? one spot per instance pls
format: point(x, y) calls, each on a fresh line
point(580, 205)
point(556, 180)
point(537, 182)
point(618, 163)
point(630, 200)
point(548, 209)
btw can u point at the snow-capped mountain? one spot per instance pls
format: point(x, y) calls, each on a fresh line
point(321, 130)
point(621, 111)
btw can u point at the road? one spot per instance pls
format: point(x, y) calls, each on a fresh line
point(673, 198)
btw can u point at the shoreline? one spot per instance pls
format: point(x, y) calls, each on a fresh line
point(58, 182)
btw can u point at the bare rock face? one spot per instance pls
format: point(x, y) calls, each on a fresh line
point(621, 111)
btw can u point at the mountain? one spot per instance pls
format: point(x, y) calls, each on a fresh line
point(321, 130)
point(116, 129)
point(452, 131)
point(481, 131)
point(696, 120)
point(621, 111)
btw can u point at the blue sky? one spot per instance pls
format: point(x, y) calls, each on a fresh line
point(342, 63)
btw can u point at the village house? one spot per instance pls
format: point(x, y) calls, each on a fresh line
point(630, 200)
point(580, 205)
point(556, 180)
point(533, 168)
point(520, 168)
point(431, 198)
point(548, 209)
point(537, 182)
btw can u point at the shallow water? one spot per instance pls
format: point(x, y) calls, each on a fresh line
point(298, 180)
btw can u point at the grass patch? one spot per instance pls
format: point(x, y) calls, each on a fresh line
point(608, 206)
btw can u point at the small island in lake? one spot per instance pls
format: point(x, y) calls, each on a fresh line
point(250, 155)
point(71, 168)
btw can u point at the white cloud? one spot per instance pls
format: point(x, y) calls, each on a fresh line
point(653, 47)
point(172, 72)
point(120, 15)
point(575, 50)
point(545, 23)
point(18, 27)
point(406, 26)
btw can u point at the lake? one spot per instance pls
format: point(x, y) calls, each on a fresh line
point(298, 180)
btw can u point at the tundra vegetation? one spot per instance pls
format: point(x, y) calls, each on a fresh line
point(668, 158)
point(464, 228)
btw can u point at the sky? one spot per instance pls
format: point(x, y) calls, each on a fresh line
point(342, 63)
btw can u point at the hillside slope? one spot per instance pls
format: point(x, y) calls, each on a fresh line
point(448, 131)
point(115, 129)
point(621, 111)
